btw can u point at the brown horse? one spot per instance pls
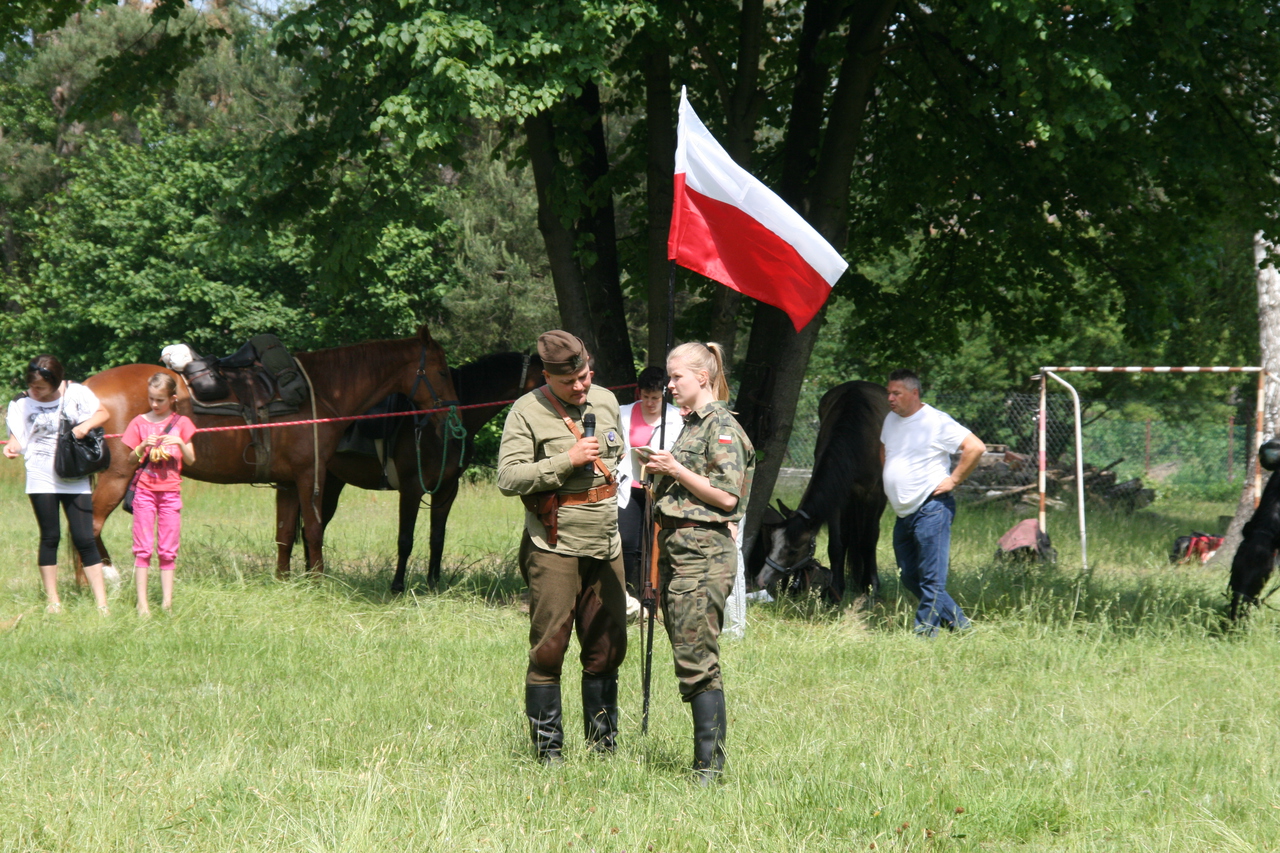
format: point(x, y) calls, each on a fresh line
point(495, 377)
point(347, 380)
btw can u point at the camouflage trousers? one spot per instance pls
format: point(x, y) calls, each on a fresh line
point(696, 568)
point(567, 593)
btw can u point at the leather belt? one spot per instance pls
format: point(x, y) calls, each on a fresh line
point(666, 522)
point(590, 496)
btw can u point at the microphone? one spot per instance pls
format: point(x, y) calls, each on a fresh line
point(588, 430)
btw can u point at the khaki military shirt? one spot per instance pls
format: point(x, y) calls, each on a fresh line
point(534, 457)
point(714, 445)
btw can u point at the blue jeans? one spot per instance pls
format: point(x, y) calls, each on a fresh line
point(922, 544)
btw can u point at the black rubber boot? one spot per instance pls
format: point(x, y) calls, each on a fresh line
point(600, 711)
point(710, 722)
point(542, 707)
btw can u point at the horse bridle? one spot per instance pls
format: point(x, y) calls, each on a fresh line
point(787, 571)
point(421, 377)
point(453, 426)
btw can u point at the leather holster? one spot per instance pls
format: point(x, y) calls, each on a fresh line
point(546, 506)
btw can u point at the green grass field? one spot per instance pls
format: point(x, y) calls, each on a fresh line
point(1100, 713)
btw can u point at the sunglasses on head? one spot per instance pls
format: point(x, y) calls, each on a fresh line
point(46, 374)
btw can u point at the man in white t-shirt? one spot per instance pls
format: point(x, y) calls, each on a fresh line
point(916, 444)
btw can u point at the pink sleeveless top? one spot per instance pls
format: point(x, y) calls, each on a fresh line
point(639, 434)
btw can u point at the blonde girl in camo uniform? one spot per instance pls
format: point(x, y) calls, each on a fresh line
point(699, 500)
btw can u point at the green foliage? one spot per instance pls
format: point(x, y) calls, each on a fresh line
point(1032, 183)
point(424, 72)
point(484, 448)
point(125, 262)
point(19, 19)
point(502, 299)
point(132, 256)
point(1053, 160)
point(176, 40)
point(130, 233)
point(241, 90)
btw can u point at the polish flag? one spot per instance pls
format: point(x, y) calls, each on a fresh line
point(728, 226)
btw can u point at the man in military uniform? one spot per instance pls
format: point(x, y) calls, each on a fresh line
point(570, 553)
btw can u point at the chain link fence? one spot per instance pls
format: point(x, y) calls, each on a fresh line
point(1155, 441)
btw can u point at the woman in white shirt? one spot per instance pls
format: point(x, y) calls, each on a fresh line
point(33, 421)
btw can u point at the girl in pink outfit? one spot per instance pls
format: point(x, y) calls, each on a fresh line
point(161, 439)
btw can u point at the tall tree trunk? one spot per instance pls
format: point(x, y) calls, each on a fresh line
point(772, 376)
point(816, 182)
point(659, 191)
point(589, 295)
point(615, 363)
point(571, 295)
point(8, 243)
point(1268, 282)
point(726, 305)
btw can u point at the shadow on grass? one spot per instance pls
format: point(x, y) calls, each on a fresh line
point(494, 580)
point(1127, 602)
point(1130, 586)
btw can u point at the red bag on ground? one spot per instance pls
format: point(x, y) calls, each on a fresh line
point(1025, 540)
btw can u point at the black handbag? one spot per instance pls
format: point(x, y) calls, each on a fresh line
point(79, 457)
point(129, 493)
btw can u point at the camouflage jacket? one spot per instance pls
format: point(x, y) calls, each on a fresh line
point(713, 444)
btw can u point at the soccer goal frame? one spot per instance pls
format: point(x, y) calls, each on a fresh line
point(1047, 373)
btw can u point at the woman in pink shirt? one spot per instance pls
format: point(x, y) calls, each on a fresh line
point(640, 421)
point(161, 438)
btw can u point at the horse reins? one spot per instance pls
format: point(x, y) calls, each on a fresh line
point(315, 441)
point(452, 428)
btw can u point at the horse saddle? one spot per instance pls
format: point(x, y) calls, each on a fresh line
point(258, 382)
point(377, 437)
point(261, 377)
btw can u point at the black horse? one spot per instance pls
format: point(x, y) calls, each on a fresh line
point(390, 458)
point(1255, 559)
point(845, 493)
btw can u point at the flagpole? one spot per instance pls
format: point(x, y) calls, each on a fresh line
point(651, 600)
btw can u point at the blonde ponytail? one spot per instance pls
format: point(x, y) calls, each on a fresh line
point(708, 357)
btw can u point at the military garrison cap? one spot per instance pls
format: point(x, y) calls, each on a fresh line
point(561, 353)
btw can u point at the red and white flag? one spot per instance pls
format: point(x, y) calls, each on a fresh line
point(728, 226)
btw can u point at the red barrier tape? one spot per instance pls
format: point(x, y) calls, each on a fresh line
point(278, 424)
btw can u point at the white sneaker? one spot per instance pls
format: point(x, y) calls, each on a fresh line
point(633, 608)
point(110, 577)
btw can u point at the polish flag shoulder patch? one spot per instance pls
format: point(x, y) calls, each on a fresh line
point(726, 439)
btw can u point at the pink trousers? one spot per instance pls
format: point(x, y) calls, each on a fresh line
point(152, 510)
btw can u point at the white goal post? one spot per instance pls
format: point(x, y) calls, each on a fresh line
point(1052, 372)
